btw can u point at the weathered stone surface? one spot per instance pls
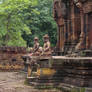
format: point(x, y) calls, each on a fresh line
point(74, 22)
point(10, 58)
point(75, 71)
point(14, 82)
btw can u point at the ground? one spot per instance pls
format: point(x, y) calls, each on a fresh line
point(14, 82)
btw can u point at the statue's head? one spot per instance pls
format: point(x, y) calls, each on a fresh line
point(46, 37)
point(36, 39)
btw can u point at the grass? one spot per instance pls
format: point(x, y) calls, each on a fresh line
point(78, 90)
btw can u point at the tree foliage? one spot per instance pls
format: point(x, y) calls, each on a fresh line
point(13, 22)
point(22, 20)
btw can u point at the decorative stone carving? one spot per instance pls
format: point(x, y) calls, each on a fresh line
point(10, 58)
point(59, 11)
point(87, 7)
point(78, 31)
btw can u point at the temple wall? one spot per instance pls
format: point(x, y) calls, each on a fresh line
point(90, 30)
point(10, 57)
point(74, 22)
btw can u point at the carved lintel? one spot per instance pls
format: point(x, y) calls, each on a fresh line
point(87, 7)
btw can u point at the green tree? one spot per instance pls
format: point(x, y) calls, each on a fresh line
point(22, 20)
point(13, 21)
point(43, 23)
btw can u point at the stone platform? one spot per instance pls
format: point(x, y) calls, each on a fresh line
point(76, 71)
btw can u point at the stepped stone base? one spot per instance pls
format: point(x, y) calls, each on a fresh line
point(76, 71)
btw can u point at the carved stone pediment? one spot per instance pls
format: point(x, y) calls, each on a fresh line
point(60, 8)
point(88, 7)
point(59, 11)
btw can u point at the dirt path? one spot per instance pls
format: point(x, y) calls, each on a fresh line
point(14, 82)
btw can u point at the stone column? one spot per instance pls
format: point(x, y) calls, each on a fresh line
point(73, 22)
point(58, 37)
point(81, 44)
point(69, 32)
point(87, 32)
